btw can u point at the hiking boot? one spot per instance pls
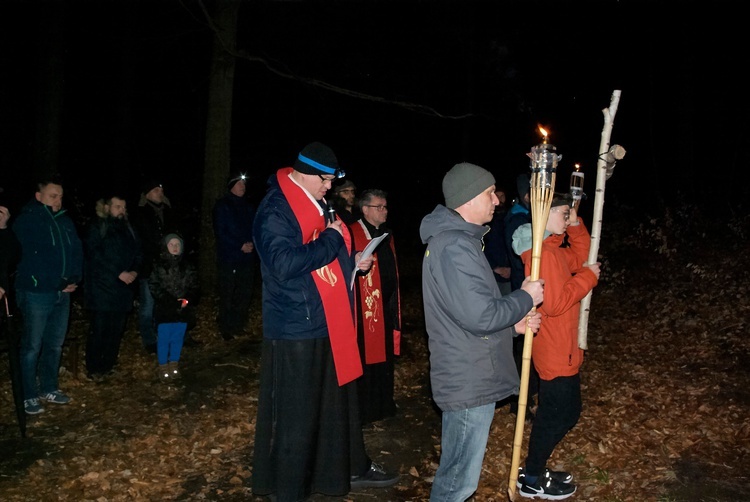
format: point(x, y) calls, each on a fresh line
point(164, 372)
point(375, 477)
point(546, 488)
point(559, 476)
point(32, 406)
point(56, 397)
point(172, 368)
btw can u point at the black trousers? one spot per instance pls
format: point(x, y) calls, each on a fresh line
point(558, 412)
point(103, 343)
point(236, 283)
point(308, 436)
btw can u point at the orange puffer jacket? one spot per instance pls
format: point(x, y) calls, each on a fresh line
point(555, 350)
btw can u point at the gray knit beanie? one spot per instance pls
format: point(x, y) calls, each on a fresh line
point(464, 182)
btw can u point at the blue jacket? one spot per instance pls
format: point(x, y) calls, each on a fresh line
point(494, 245)
point(51, 252)
point(233, 226)
point(292, 308)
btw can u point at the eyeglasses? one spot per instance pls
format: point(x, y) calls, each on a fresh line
point(379, 208)
point(326, 180)
point(566, 214)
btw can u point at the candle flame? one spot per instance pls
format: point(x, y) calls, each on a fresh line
point(577, 166)
point(544, 133)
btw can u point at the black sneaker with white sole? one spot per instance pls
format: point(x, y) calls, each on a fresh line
point(547, 488)
point(559, 476)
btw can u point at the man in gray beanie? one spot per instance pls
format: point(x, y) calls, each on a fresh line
point(470, 327)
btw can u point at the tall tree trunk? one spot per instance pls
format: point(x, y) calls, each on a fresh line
point(218, 130)
point(50, 76)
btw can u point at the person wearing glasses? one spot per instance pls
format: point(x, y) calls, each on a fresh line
point(567, 280)
point(308, 436)
point(378, 310)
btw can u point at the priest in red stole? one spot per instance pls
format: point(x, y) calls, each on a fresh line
point(308, 435)
point(378, 310)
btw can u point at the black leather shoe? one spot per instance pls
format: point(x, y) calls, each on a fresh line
point(375, 477)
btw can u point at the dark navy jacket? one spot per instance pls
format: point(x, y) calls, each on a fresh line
point(51, 252)
point(233, 226)
point(292, 308)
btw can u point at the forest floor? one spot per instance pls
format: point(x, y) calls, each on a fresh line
point(666, 391)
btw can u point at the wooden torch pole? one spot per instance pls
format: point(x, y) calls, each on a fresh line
point(543, 173)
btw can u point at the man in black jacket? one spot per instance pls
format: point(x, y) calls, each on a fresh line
point(113, 258)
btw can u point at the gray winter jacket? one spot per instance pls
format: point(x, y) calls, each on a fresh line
point(469, 323)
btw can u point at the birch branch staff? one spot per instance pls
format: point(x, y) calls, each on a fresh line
point(604, 170)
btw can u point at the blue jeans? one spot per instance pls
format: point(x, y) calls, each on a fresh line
point(464, 439)
point(45, 324)
point(146, 313)
point(170, 338)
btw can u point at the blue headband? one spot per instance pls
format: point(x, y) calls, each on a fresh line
point(316, 165)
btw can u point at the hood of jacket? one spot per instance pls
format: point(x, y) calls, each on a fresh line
point(522, 238)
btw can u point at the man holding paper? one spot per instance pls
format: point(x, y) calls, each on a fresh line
point(378, 310)
point(308, 437)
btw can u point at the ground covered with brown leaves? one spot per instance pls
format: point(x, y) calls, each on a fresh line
point(666, 389)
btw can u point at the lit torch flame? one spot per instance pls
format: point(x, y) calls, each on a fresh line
point(544, 134)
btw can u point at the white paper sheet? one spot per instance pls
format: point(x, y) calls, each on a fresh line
point(366, 252)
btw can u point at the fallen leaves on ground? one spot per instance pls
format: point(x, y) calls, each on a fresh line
point(666, 389)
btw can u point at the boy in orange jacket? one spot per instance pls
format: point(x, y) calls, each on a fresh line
point(557, 358)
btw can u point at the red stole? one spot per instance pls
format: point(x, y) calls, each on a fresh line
point(371, 303)
point(329, 280)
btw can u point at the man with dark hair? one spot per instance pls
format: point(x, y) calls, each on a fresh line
point(345, 201)
point(308, 436)
point(50, 269)
point(113, 259)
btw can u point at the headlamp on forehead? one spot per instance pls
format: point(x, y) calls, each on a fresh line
point(241, 177)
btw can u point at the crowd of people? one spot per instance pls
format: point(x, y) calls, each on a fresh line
point(331, 313)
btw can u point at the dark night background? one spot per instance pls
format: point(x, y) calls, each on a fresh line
point(419, 87)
